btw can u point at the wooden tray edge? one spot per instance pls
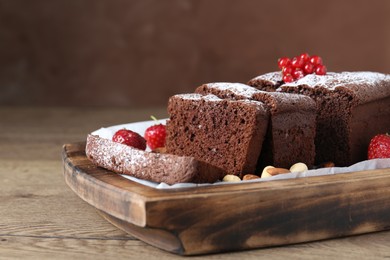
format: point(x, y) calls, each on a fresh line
point(146, 222)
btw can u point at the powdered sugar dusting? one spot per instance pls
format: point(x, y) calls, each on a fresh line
point(272, 77)
point(332, 81)
point(103, 151)
point(195, 96)
point(244, 92)
point(150, 166)
point(289, 98)
point(192, 96)
point(235, 88)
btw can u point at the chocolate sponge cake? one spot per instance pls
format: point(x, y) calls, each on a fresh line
point(149, 166)
point(225, 133)
point(351, 108)
point(291, 127)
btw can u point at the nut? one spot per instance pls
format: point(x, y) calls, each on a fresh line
point(231, 178)
point(160, 150)
point(298, 167)
point(275, 171)
point(250, 177)
point(327, 165)
point(265, 173)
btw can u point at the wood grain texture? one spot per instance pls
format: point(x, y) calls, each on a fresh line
point(42, 218)
point(237, 216)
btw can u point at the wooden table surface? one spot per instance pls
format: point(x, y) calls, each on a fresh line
point(41, 218)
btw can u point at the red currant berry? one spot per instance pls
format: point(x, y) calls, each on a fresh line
point(297, 62)
point(316, 60)
point(320, 70)
point(288, 78)
point(287, 70)
point(305, 57)
point(298, 74)
point(308, 68)
point(284, 62)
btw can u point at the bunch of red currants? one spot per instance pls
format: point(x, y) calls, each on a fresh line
point(300, 66)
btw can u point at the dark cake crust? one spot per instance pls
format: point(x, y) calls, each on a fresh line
point(149, 166)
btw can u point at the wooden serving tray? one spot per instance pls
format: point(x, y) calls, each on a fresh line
point(211, 219)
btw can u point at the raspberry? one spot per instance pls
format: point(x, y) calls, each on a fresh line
point(155, 136)
point(129, 138)
point(379, 147)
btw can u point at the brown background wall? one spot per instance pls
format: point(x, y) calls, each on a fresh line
point(137, 53)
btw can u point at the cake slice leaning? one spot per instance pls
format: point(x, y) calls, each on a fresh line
point(225, 133)
point(156, 167)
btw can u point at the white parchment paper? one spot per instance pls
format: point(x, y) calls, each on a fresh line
point(140, 127)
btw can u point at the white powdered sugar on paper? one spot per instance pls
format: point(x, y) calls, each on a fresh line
point(140, 127)
point(361, 166)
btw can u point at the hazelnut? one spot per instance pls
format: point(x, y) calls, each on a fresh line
point(276, 171)
point(250, 177)
point(265, 173)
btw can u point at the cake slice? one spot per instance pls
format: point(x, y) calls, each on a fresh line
point(291, 127)
point(156, 167)
point(268, 82)
point(351, 108)
point(225, 133)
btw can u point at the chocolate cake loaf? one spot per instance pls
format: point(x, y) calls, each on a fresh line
point(291, 127)
point(225, 133)
point(351, 108)
point(149, 166)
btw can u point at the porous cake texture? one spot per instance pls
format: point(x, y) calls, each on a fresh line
point(225, 133)
point(291, 127)
point(352, 107)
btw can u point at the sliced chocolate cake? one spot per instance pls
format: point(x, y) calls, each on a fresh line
point(225, 133)
point(149, 166)
point(291, 128)
point(352, 107)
